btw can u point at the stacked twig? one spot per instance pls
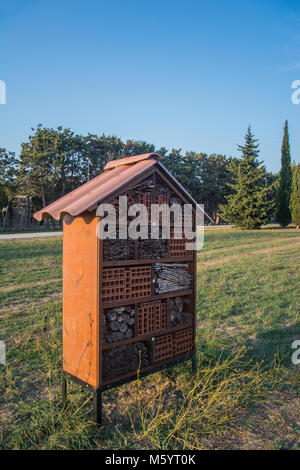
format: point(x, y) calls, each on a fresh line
point(116, 250)
point(123, 359)
point(145, 185)
point(153, 249)
point(161, 187)
point(169, 277)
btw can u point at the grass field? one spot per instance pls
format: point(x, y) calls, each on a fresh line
point(245, 394)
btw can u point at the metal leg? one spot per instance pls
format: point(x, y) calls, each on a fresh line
point(194, 363)
point(98, 406)
point(64, 388)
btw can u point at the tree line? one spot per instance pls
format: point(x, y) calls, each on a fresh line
point(53, 162)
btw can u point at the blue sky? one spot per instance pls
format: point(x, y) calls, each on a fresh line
point(181, 74)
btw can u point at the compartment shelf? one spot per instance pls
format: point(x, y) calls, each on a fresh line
point(125, 282)
point(147, 337)
point(153, 367)
point(123, 303)
point(181, 259)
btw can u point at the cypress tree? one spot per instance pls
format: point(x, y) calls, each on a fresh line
point(285, 182)
point(295, 196)
point(248, 206)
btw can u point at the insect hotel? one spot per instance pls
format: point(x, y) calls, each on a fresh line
point(128, 304)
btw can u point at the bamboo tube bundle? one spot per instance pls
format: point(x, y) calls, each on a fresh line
point(118, 324)
point(123, 359)
point(171, 276)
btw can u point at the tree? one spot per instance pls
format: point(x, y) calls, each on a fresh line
point(285, 181)
point(56, 161)
point(214, 175)
point(248, 206)
point(204, 176)
point(51, 163)
point(174, 162)
point(37, 157)
point(97, 151)
point(8, 166)
point(68, 165)
point(272, 181)
point(136, 147)
point(295, 196)
point(8, 172)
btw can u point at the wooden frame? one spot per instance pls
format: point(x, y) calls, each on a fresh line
point(83, 308)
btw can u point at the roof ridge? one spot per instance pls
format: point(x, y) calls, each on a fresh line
point(133, 159)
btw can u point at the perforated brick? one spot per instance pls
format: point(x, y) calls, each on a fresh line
point(113, 284)
point(147, 317)
point(163, 314)
point(152, 317)
point(178, 245)
point(183, 341)
point(173, 344)
point(138, 282)
point(115, 202)
point(126, 283)
point(148, 199)
point(163, 348)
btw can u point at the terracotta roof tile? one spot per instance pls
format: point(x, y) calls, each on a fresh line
point(90, 194)
point(117, 175)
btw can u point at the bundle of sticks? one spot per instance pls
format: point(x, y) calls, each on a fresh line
point(145, 185)
point(123, 359)
point(177, 315)
point(157, 186)
point(149, 249)
point(118, 324)
point(171, 276)
point(161, 187)
point(115, 250)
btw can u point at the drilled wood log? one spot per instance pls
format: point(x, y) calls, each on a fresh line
point(118, 324)
point(177, 315)
point(123, 327)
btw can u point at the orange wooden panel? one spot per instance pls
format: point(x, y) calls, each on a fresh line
point(80, 298)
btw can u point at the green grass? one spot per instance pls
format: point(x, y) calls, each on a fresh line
point(30, 230)
point(243, 396)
